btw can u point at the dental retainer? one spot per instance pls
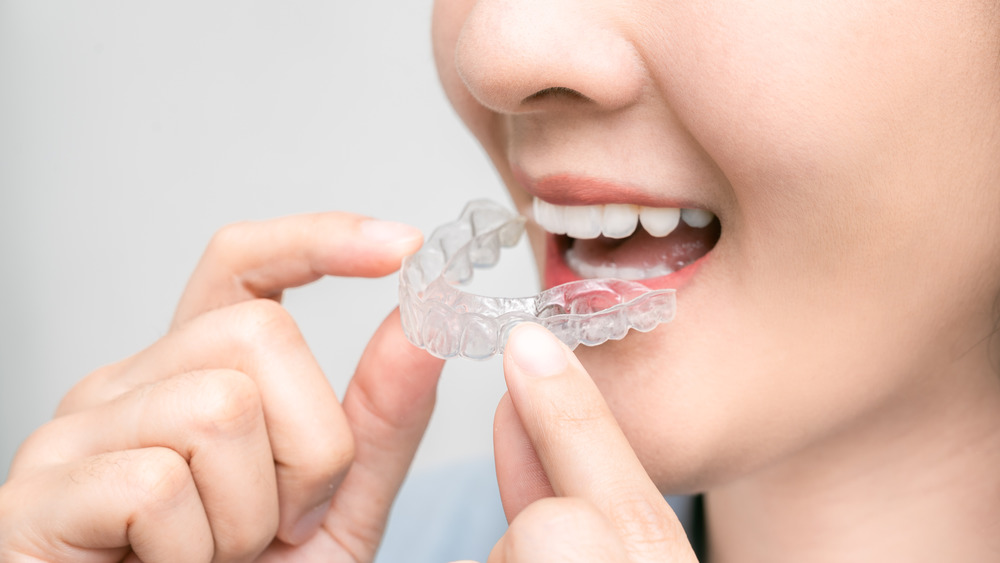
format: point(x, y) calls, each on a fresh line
point(449, 322)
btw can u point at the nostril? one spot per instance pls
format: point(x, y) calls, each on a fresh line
point(509, 52)
point(556, 93)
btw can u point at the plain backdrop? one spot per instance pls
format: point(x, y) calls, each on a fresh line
point(130, 131)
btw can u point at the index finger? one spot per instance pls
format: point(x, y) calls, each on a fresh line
point(260, 259)
point(582, 448)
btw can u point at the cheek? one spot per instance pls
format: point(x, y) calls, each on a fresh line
point(857, 255)
point(784, 102)
point(820, 116)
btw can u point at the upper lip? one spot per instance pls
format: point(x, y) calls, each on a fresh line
point(573, 189)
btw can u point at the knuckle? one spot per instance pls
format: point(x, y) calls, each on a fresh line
point(88, 389)
point(42, 447)
point(579, 415)
point(30, 450)
point(243, 543)
point(264, 322)
point(375, 413)
point(642, 522)
point(566, 421)
point(329, 459)
point(571, 408)
point(158, 477)
point(233, 235)
point(72, 400)
point(225, 403)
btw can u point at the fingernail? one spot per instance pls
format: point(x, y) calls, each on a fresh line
point(309, 523)
point(536, 351)
point(388, 231)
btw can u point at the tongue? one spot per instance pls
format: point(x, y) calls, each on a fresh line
point(646, 252)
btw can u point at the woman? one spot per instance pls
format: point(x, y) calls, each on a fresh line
point(827, 383)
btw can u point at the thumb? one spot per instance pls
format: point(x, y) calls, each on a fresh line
point(520, 474)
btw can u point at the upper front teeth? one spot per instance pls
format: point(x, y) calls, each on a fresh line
point(619, 220)
point(614, 220)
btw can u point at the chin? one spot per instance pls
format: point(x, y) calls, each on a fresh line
point(689, 429)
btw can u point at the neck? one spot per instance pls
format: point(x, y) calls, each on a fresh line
point(918, 482)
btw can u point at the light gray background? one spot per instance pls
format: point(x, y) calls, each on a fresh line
point(130, 131)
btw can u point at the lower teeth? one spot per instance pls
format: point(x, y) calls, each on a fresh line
point(587, 270)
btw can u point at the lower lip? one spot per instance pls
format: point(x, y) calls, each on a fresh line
point(557, 272)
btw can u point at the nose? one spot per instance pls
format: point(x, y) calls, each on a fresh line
point(517, 56)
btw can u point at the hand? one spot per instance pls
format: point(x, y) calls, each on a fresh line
point(224, 440)
point(572, 488)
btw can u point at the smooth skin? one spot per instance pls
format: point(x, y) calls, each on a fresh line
point(827, 380)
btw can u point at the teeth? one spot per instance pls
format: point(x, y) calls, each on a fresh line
point(697, 218)
point(584, 221)
point(659, 221)
point(551, 217)
point(614, 220)
point(620, 221)
point(588, 270)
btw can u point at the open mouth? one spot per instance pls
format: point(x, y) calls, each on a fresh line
point(657, 246)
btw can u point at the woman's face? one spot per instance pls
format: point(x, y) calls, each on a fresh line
point(849, 153)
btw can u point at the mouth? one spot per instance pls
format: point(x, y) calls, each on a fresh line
point(660, 247)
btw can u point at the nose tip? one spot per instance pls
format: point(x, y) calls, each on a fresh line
point(515, 55)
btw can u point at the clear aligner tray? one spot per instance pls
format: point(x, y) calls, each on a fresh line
point(449, 322)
